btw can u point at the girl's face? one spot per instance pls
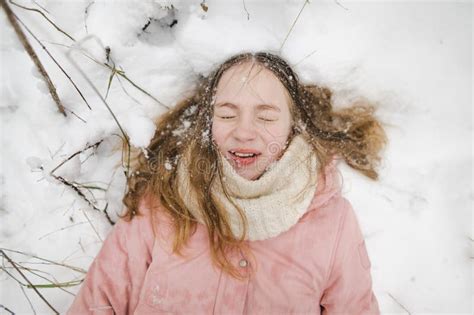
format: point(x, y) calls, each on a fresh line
point(252, 119)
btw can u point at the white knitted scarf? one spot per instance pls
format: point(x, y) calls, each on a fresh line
point(273, 203)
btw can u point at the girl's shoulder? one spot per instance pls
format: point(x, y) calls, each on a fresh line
point(329, 210)
point(328, 189)
point(142, 228)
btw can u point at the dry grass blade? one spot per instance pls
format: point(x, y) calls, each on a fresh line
point(401, 305)
point(88, 80)
point(95, 145)
point(304, 58)
point(61, 229)
point(109, 84)
point(339, 4)
point(120, 72)
point(52, 283)
point(28, 299)
point(27, 280)
point(72, 283)
point(77, 269)
point(93, 227)
point(47, 19)
point(293, 25)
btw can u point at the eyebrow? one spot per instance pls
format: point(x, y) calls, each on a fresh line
point(259, 107)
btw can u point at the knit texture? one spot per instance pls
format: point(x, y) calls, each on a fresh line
point(273, 203)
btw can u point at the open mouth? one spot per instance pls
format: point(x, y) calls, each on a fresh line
point(243, 155)
point(244, 158)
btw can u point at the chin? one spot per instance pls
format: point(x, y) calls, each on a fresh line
point(250, 176)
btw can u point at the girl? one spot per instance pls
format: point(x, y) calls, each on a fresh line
point(236, 208)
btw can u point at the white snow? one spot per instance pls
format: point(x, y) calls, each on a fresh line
point(413, 59)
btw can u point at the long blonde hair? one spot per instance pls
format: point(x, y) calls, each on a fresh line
point(352, 133)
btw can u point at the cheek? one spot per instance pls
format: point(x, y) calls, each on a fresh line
point(276, 137)
point(275, 148)
point(278, 132)
point(218, 134)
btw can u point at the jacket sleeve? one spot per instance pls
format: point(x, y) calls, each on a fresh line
point(115, 277)
point(349, 283)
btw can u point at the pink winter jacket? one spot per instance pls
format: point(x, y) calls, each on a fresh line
point(319, 266)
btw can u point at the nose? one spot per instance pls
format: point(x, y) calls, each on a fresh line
point(245, 130)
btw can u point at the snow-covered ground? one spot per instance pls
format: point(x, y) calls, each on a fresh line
point(414, 59)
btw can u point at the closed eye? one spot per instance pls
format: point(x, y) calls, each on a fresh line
point(266, 119)
point(227, 117)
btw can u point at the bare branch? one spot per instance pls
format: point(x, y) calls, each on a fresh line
point(76, 187)
point(81, 194)
point(56, 62)
point(12, 18)
point(115, 71)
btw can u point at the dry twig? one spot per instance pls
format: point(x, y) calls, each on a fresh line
point(29, 49)
point(57, 63)
point(75, 186)
point(81, 194)
point(6, 309)
point(245, 8)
